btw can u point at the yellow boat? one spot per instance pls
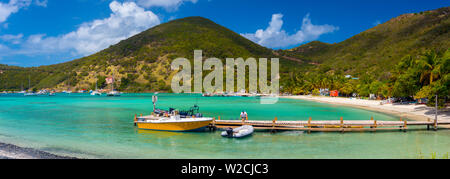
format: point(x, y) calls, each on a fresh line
point(173, 123)
point(173, 120)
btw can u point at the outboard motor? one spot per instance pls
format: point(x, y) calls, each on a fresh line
point(230, 132)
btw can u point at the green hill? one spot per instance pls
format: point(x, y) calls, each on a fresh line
point(142, 62)
point(376, 51)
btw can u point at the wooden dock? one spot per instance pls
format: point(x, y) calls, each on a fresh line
point(329, 126)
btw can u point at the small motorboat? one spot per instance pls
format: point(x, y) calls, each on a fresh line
point(239, 132)
point(173, 120)
point(113, 93)
point(96, 93)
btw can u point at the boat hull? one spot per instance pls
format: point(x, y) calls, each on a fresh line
point(174, 126)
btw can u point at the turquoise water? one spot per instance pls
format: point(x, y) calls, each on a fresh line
point(102, 127)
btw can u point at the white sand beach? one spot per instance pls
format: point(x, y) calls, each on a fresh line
point(410, 111)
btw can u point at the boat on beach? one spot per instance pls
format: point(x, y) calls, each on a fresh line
point(173, 120)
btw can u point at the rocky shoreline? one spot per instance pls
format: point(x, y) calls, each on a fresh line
point(9, 151)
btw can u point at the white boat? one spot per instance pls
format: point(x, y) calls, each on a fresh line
point(96, 93)
point(113, 93)
point(29, 87)
point(239, 132)
point(30, 94)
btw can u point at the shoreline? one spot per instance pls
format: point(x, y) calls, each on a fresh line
point(413, 112)
point(10, 151)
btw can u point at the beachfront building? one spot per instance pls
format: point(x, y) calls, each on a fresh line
point(334, 93)
point(324, 92)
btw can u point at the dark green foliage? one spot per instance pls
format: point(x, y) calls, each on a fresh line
point(375, 56)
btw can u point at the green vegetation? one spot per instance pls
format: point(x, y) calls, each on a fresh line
point(423, 77)
point(375, 52)
point(406, 56)
point(142, 62)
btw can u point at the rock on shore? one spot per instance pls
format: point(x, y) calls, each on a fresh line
point(9, 151)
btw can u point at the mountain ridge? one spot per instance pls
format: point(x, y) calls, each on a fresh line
point(142, 62)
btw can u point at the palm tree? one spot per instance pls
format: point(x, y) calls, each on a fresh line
point(430, 66)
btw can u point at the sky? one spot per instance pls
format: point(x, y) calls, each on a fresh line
point(44, 32)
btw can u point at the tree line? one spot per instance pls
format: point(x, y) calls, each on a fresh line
point(421, 76)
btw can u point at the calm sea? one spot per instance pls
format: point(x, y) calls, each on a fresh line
point(102, 127)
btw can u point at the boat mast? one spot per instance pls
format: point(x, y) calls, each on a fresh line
point(112, 83)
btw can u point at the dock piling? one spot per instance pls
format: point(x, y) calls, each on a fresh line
point(309, 125)
point(405, 127)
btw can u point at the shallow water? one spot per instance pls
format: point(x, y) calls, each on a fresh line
point(102, 127)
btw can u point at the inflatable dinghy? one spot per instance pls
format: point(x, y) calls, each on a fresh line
point(239, 132)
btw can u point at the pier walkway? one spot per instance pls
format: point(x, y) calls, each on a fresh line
point(329, 126)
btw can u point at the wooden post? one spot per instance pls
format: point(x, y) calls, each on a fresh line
point(309, 125)
point(211, 126)
point(405, 126)
point(435, 115)
point(371, 118)
point(375, 125)
point(135, 119)
point(342, 124)
point(428, 126)
point(219, 118)
point(273, 124)
point(401, 120)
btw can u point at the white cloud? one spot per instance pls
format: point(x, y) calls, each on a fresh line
point(127, 19)
point(168, 4)
point(42, 3)
point(275, 37)
point(14, 39)
point(6, 9)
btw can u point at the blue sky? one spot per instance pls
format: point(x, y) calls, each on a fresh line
point(43, 32)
